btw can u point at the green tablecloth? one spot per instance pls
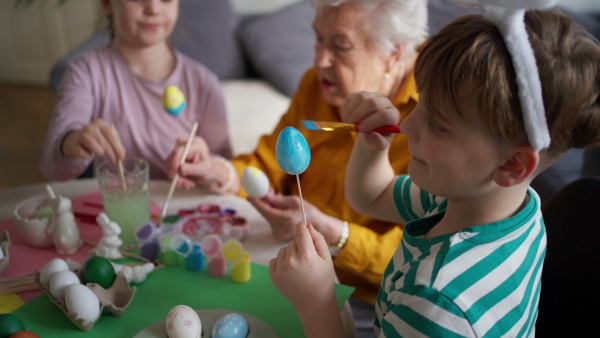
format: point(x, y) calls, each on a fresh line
point(171, 286)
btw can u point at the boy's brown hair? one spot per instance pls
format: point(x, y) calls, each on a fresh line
point(469, 57)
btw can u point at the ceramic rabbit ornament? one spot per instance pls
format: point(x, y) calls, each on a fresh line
point(509, 17)
point(63, 227)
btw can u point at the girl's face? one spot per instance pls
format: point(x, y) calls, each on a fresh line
point(142, 23)
point(345, 58)
point(455, 159)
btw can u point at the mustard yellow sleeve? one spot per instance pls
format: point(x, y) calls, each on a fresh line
point(367, 253)
point(264, 156)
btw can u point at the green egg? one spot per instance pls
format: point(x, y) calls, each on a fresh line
point(10, 324)
point(98, 270)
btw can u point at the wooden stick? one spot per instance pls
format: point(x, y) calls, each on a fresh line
point(19, 283)
point(301, 199)
point(124, 253)
point(176, 178)
point(120, 163)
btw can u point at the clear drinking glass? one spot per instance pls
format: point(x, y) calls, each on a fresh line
point(126, 204)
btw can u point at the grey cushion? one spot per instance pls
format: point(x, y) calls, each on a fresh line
point(280, 46)
point(205, 32)
point(441, 12)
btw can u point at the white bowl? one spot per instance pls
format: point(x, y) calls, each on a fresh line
point(33, 230)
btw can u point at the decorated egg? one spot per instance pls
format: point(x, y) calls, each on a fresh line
point(255, 182)
point(53, 266)
point(231, 325)
point(293, 153)
point(83, 302)
point(23, 334)
point(60, 281)
point(173, 100)
point(9, 324)
point(183, 322)
point(98, 270)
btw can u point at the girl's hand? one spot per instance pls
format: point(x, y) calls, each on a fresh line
point(369, 111)
point(97, 138)
point(197, 153)
point(303, 271)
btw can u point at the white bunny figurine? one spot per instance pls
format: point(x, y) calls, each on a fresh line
point(65, 232)
point(109, 244)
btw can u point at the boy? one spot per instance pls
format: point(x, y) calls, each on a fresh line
point(470, 262)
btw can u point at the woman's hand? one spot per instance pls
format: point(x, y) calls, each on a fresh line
point(198, 152)
point(303, 272)
point(369, 111)
point(284, 212)
point(97, 138)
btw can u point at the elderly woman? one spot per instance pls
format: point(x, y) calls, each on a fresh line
point(361, 45)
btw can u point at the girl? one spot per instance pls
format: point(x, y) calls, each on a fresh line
point(109, 102)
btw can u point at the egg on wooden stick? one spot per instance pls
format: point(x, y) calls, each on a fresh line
point(293, 155)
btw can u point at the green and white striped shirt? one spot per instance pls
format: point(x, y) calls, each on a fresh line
point(482, 281)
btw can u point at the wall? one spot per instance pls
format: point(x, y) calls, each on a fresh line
point(33, 38)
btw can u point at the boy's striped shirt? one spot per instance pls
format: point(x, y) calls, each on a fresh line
point(482, 281)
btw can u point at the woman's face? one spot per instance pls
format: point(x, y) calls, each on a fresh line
point(142, 23)
point(346, 59)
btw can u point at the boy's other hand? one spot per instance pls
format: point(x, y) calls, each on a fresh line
point(370, 110)
point(303, 271)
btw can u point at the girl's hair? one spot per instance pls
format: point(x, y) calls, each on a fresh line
point(469, 57)
point(391, 21)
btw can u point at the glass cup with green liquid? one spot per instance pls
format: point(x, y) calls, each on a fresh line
point(127, 204)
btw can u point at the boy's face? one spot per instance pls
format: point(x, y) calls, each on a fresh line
point(142, 23)
point(456, 158)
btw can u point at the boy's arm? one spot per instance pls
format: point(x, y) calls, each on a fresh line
point(369, 174)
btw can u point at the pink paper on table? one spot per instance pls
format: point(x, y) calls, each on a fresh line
point(26, 259)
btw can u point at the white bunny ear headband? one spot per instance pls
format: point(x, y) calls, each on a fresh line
point(509, 17)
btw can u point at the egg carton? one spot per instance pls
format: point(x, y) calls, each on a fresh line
point(115, 299)
point(4, 245)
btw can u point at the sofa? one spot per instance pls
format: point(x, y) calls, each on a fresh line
point(260, 58)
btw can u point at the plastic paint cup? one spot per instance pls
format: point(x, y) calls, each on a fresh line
point(240, 273)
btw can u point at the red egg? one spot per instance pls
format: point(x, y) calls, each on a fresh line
point(24, 334)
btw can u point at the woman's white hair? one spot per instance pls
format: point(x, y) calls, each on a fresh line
point(391, 21)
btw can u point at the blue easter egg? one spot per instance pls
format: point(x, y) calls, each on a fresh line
point(293, 153)
point(231, 325)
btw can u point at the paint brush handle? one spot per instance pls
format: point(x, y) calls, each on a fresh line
point(387, 129)
point(176, 178)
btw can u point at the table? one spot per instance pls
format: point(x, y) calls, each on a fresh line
point(259, 243)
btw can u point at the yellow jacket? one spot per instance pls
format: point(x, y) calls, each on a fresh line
point(372, 243)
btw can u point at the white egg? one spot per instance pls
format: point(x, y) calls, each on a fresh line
point(255, 182)
point(60, 281)
point(231, 325)
point(83, 302)
point(183, 322)
point(53, 266)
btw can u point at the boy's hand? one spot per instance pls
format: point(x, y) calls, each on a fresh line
point(97, 138)
point(303, 271)
point(369, 111)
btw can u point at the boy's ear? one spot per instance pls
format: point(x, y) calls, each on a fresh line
point(519, 166)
